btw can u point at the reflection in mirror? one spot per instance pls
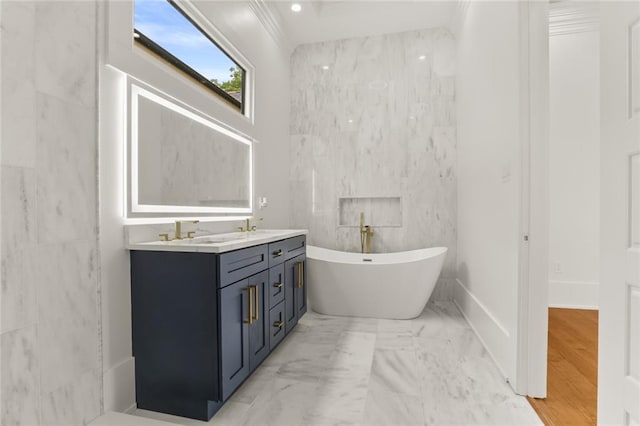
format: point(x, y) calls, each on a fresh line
point(182, 162)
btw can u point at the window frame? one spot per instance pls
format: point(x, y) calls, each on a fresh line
point(143, 42)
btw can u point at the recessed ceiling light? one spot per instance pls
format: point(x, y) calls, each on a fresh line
point(325, 67)
point(350, 121)
point(296, 7)
point(422, 57)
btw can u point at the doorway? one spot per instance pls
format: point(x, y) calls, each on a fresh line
point(573, 215)
point(618, 371)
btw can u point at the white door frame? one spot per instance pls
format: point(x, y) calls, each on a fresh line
point(531, 367)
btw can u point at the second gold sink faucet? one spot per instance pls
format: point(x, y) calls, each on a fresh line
point(178, 229)
point(248, 227)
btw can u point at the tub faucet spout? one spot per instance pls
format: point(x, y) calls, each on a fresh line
point(366, 233)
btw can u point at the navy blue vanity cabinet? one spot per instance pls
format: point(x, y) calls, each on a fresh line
point(174, 319)
point(203, 322)
point(295, 290)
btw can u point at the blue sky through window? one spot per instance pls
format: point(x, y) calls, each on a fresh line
point(162, 23)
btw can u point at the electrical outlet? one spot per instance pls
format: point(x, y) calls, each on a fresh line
point(556, 268)
point(262, 202)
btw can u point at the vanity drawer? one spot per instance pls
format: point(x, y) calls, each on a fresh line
point(276, 285)
point(276, 326)
point(286, 249)
point(236, 265)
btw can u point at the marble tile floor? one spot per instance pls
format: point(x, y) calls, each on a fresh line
point(360, 371)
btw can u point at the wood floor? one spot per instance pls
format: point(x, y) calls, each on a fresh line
point(572, 369)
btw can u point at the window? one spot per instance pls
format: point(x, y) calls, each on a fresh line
point(165, 30)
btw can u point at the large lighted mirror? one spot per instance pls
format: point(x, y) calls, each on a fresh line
point(183, 163)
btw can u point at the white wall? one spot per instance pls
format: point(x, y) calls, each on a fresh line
point(239, 24)
point(574, 170)
point(488, 131)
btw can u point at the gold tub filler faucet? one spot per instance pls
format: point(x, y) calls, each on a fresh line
point(366, 233)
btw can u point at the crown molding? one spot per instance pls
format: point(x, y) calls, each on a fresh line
point(571, 17)
point(271, 22)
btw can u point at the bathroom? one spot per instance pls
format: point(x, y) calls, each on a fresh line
point(430, 118)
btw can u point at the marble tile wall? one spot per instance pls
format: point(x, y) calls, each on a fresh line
point(50, 318)
point(375, 117)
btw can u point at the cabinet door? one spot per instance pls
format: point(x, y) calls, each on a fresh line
point(295, 290)
point(301, 285)
point(234, 336)
point(290, 309)
point(259, 328)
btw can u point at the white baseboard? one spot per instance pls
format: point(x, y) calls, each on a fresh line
point(119, 387)
point(492, 334)
point(573, 294)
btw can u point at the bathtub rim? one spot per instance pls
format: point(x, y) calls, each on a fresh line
point(354, 258)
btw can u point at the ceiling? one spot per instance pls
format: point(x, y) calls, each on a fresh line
point(322, 20)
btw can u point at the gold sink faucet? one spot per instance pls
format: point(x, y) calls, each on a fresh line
point(248, 227)
point(178, 229)
point(366, 233)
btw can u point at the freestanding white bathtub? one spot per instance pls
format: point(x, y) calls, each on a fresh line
point(378, 285)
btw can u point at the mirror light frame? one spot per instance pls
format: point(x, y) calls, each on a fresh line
point(135, 210)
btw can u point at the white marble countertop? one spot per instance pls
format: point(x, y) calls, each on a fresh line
point(219, 243)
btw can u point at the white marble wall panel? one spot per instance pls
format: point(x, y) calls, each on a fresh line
point(66, 169)
point(67, 279)
point(49, 267)
point(375, 116)
point(65, 46)
point(18, 190)
point(76, 403)
point(20, 377)
point(18, 88)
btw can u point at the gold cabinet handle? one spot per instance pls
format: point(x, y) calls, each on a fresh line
point(257, 305)
point(250, 293)
point(300, 282)
point(277, 253)
point(278, 285)
point(278, 324)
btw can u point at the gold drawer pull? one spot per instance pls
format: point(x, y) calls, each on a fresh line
point(278, 285)
point(257, 305)
point(250, 320)
point(278, 324)
point(278, 253)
